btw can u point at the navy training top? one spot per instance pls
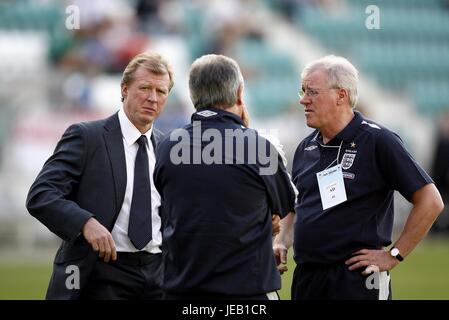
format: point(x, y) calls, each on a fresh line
point(217, 233)
point(374, 163)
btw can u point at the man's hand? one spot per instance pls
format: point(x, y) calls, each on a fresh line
point(368, 258)
point(280, 253)
point(276, 224)
point(283, 241)
point(100, 239)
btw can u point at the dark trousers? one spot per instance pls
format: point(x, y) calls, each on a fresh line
point(336, 282)
point(135, 276)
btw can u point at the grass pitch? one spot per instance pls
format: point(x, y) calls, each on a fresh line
point(423, 276)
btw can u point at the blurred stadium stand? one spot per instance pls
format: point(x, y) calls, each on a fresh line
point(51, 76)
point(409, 53)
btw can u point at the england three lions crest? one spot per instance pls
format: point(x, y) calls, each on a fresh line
point(347, 160)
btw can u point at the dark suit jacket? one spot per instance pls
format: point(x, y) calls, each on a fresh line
point(85, 177)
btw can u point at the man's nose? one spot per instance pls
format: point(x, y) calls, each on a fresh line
point(152, 96)
point(304, 100)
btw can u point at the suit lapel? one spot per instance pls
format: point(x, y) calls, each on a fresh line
point(116, 152)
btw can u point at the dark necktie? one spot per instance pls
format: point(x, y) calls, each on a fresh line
point(139, 229)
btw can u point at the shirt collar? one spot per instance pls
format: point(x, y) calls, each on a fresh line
point(213, 113)
point(129, 131)
point(349, 132)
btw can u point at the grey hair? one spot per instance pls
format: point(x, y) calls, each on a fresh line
point(341, 74)
point(214, 81)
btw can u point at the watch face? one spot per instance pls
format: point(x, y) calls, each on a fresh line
point(394, 252)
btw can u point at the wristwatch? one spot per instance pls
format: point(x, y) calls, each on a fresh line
point(394, 252)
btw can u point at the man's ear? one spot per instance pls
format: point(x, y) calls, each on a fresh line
point(342, 93)
point(240, 101)
point(124, 90)
point(241, 105)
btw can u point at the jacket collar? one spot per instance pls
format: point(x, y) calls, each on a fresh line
point(214, 114)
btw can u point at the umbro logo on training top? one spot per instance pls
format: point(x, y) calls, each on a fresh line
point(207, 113)
point(310, 148)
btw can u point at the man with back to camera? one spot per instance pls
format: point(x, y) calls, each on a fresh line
point(96, 192)
point(218, 203)
point(346, 172)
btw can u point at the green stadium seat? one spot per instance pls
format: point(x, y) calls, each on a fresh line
point(431, 97)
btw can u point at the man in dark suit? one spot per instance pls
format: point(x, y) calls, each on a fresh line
point(96, 192)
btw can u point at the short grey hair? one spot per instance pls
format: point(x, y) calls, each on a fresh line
point(214, 81)
point(341, 74)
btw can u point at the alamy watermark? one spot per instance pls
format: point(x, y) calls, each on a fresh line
point(206, 147)
point(72, 282)
point(373, 20)
point(72, 21)
point(372, 281)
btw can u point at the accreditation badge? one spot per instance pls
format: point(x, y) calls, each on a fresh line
point(332, 187)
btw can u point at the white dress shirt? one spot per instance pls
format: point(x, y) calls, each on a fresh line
point(120, 231)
